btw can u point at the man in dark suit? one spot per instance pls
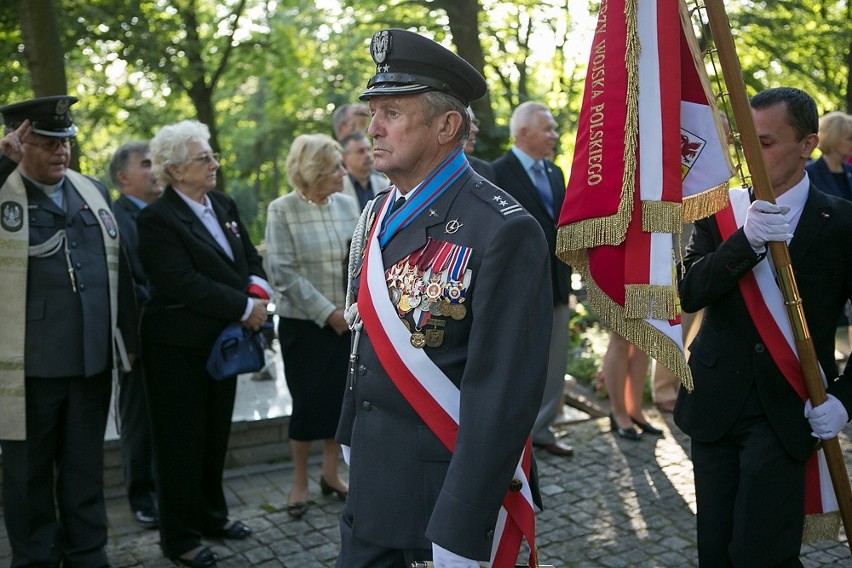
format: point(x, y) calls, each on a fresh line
point(67, 288)
point(130, 171)
point(752, 434)
point(528, 173)
point(449, 353)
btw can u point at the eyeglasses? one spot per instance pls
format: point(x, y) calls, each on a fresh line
point(51, 144)
point(207, 158)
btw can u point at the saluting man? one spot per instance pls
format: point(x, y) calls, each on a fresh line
point(452, 319)
point(59, 248)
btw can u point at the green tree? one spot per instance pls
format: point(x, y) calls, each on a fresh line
point(798, 43)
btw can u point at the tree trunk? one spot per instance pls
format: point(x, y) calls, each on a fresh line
point(463, 16)
point(42, 47)
point(45, 56)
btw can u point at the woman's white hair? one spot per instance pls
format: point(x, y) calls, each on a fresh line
point(170, 147)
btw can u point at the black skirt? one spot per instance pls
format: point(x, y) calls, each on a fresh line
point(315, 363)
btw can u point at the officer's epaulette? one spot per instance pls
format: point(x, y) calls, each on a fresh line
point(504, 203)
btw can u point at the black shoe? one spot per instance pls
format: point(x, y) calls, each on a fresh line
point(147, 518)
point(327, 489)
point(297, 510)
point(204, 558)
point(626, 433)
point(237, 531)
point(647, 428)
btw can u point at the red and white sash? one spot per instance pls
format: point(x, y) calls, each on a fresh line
point(435, 398)
point(766, 306)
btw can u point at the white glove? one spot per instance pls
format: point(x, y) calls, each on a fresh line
point(443, 558)
point(827, 419)
point(765, 222)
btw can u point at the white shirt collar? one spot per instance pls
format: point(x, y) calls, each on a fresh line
point(795, 199)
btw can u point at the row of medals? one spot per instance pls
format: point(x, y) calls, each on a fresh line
point(431, 295)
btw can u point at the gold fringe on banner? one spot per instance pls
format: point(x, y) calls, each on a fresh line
point(639, 332)
point(705, 203)
point(662, 217)
point(825, 526)
point(651, 301)
point(595, 232)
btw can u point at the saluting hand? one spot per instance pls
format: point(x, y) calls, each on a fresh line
point(12, 145)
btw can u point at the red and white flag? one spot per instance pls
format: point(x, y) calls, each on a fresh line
point(650, 154)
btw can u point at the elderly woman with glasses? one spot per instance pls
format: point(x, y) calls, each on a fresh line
point(308, 233)
point(203, 274)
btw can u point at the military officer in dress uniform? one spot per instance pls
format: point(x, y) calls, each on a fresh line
point(59, 247)
point(449, 300)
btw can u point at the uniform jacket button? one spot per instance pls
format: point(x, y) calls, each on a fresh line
point(362, 370)
point(759, 348)
point(366, 405)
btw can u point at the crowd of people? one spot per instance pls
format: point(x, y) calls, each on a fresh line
point(392, 263)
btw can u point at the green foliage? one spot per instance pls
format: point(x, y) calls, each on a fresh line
point(586, 345)
point(796, 43)
point(265, 71)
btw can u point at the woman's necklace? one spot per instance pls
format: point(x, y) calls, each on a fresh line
point(307, 199)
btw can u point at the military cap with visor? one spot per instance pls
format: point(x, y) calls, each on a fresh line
point(408, 64)
point(48, 116)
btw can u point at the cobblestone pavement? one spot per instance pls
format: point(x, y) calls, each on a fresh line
point(615, 503)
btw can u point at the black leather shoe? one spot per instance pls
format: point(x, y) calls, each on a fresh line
point(147, 518)
point(626, 433)
point(204, 558)
point(327, 489)
point(237, 531)
point(647, 428)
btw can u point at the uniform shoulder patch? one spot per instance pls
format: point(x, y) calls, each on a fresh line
point(501, 201)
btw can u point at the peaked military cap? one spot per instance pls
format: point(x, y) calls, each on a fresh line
point(49, 116)
point(408, 63)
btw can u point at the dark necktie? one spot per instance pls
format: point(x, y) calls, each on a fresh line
point(543, 186)
point(397, 204)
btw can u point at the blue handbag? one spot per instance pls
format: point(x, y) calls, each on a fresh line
point(237, 350)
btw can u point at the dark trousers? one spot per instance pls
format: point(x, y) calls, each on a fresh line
point(750, 496)
point(190, 425)
point(59, 466)
point(136, 454)
point(357, 553)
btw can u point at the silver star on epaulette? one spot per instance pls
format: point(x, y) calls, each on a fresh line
point(500, 200)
